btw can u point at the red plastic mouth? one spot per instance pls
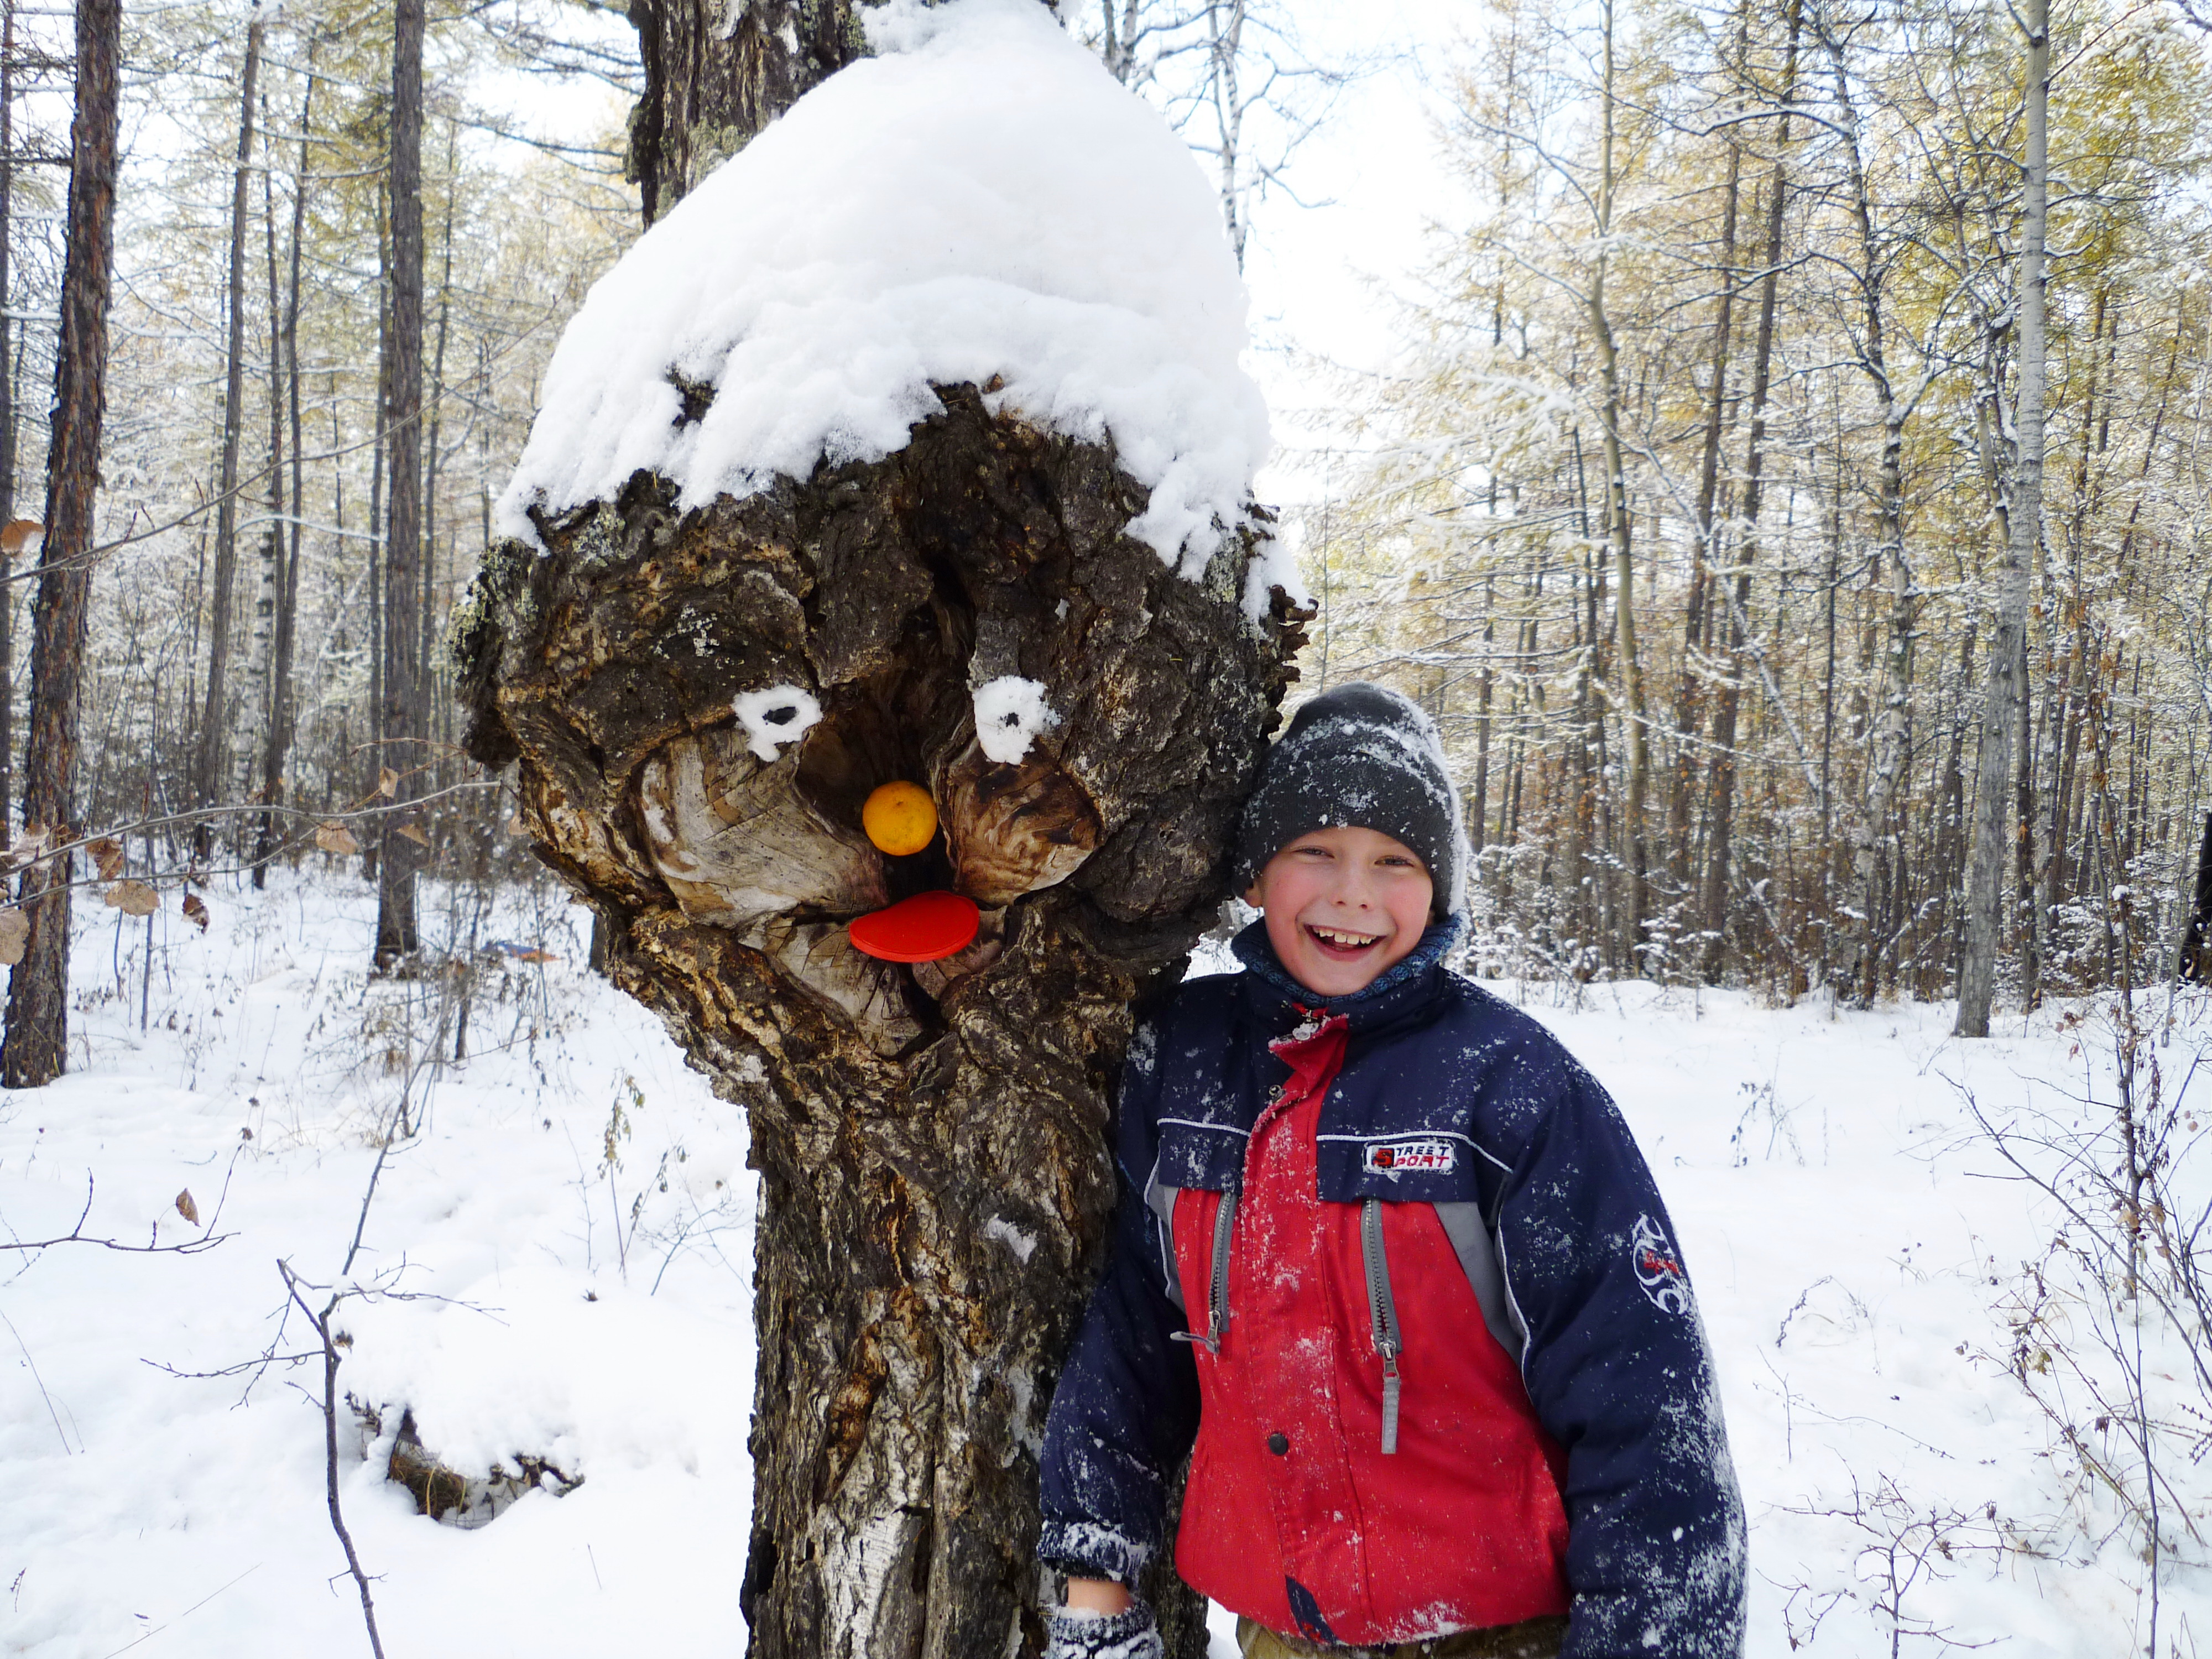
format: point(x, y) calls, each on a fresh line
point(927, 927)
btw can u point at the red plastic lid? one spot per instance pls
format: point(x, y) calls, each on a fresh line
point(927, 927)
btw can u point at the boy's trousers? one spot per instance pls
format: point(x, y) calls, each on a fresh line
point(1537, 1639)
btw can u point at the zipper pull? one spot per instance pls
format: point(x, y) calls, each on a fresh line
point(1390, 1382)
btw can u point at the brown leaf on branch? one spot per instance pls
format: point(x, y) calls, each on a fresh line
point(21, 536)
point(412, 834)
point(387, 783)
point(195, 911)
point(32, 844)
point(108, 857)
point(186, 1208)
point(334, 837)
point(134, 898)
point(15, 936)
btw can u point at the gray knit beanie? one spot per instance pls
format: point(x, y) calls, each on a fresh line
point(1359, 757)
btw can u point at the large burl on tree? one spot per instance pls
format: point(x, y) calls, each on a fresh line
point(935, 1187)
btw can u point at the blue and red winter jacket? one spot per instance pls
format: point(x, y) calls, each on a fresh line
point(1393, 1261)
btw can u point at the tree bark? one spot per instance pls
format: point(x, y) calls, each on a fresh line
point(1636, 738)
point(8, 419)
point(404, 715)
point(1985, 891)
point(935, 1185)
point(209, 761)
point(1719, 845)
point(710, 85)
point(282, 716)
point(36, 1048)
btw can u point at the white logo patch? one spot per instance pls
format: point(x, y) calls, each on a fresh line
point(1422, 1157)
point(1656, 1269)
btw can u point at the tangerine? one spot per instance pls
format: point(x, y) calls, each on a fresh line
point(899, 818)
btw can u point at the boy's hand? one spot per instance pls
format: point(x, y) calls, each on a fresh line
point(1085, 1630)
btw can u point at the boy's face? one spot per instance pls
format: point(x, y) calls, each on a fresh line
point(1343, 905)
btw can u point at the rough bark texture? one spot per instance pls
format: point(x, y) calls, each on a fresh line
point(404, 715)
point(37, 1048)
point(712, 81)
point(935, 1182)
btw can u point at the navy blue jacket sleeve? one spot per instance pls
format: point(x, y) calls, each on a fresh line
point(1619, 1372)
point(1126, 1410)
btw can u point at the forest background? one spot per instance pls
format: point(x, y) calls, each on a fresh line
point(1759, 267)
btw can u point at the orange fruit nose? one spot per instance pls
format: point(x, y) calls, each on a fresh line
point(899, 818)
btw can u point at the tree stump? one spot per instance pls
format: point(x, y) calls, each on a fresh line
point(936, 1186)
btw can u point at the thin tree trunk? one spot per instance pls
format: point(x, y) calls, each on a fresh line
point(1689, 686)
point(208, 780)
point(282, 715)
point(1719, 848)
point(7, 372)
point(403, 716)
point(1985, 894)
point(1636, 738)
point(36, 1048)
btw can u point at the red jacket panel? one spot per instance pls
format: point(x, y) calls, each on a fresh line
point(1295, 1515)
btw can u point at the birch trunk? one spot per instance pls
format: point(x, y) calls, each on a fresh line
point(2006, 688)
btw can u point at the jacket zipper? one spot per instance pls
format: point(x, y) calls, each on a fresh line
point(1384, 1313)
point(1217, 1286)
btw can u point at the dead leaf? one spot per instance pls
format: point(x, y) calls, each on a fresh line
point(334, 837)
point(412, 834)
point(515, 826)
point(108, 857)
point(15, 936)
point(33, 842)
point(134, 898)
point(186, 1208)
point(387, 783)
point(195, 911)
point(22, 535)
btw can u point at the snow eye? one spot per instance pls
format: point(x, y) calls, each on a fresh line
point(782, 716)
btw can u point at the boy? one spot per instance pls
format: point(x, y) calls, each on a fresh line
point(1390, 1255)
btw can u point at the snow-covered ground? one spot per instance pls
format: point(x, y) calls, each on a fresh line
point(165, 1493)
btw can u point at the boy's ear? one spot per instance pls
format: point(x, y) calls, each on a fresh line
point(1252, 896)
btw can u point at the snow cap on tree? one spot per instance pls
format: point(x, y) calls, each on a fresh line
point(1360, 757)
point(979, 202)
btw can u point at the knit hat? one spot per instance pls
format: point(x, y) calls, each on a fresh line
point(1359, 757)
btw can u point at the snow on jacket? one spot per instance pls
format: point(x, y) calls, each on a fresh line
point(1556, 1442)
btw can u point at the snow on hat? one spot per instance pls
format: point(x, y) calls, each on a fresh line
point(1359, 757)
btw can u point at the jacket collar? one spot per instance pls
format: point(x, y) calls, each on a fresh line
point(1281, 1002)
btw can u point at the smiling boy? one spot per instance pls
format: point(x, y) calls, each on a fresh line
point(1389, 1257)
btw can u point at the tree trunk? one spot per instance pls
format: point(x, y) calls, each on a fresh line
point(36, 1049)
point(8, 418)
point(711, 84)
point(935, 1185)
point(1719, 845)
point(281, 714)
point(209, 764)
point(1689, 685)
point(404, 716)
point(936, 1188)
point(1985, 893)
point(1636, 738)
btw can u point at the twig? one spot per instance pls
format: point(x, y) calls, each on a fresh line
point(77, 1235)
point(292, 1286)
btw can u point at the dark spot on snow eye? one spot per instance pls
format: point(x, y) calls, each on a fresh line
point(1010, 720)
point(782, 716)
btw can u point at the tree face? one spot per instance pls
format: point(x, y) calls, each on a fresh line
point(935, 1184)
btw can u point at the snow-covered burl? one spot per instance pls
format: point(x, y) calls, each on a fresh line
point(982, 203)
